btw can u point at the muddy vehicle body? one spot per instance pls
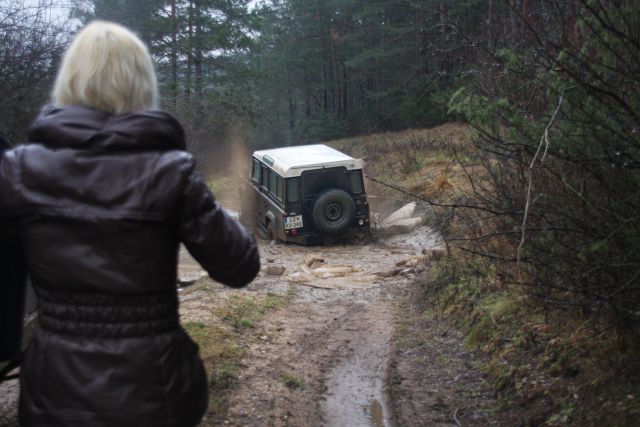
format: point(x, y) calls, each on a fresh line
point(305, 194)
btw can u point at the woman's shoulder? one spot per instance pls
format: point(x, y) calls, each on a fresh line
point(85, 128)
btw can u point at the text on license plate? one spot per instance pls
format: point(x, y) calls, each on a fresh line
point(293, 222)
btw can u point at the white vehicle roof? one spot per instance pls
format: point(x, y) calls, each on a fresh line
point(292, 161)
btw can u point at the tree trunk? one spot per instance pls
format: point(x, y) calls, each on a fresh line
point(197, 62)
point(444, 65)
point(323, 59)
point(174, 54)
point(198, 47)
point(292, 109)
point(189, 71)
point(336, 86)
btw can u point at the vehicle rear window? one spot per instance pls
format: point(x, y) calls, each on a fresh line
point(314, 182)
point(356, 183)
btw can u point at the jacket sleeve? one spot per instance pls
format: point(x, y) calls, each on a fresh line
point(218, 242)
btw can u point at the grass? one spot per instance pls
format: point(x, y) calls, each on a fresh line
point(222, 340)
point(547, 369)
point(202, 284)
point(415, 159)
point(243, 312)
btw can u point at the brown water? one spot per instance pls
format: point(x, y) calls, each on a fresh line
point(356, 394)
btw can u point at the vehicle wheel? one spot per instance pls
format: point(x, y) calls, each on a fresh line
point(270, 235)
point(333, 211)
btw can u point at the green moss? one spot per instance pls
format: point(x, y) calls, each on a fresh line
point(293, 381)
point(224, 375)
point(245, 311)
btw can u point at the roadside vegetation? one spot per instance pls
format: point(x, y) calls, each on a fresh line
point(546, 367)
point(548, 362)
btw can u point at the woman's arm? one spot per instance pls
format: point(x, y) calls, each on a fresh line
point(218, 242)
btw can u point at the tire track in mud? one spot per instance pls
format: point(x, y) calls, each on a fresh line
point(339, 351)
point(322, 360)
point(356, 388)
point(335, 341)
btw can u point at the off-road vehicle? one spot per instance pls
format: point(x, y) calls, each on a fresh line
point(307, 194)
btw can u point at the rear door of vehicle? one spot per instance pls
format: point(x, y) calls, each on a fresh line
point(315, 182)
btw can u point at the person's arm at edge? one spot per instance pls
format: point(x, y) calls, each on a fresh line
point(219, 243)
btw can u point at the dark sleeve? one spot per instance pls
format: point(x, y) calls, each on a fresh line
point(218, 242)
point(4, 146)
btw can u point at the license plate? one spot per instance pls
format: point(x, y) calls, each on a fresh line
point(293, 222)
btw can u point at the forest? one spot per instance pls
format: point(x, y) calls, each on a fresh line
point(550, 90)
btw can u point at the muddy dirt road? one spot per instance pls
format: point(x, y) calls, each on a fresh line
point(330, 357)
point(332, 341)
point(334, 336)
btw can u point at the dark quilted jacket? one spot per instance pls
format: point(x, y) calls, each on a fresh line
point(102, 203)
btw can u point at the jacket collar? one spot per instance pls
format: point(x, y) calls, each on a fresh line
point(85, 128)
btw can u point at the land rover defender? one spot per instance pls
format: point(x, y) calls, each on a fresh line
point(305, 194)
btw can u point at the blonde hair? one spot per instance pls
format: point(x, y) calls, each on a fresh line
point(107, 68)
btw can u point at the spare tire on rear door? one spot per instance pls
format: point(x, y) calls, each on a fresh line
point(333, 211)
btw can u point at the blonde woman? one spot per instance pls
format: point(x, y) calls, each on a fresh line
point(102, 196)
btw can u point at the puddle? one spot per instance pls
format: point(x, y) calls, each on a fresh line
point(355, 394)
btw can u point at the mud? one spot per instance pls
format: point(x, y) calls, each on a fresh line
point(356, 393)
point(335, 336)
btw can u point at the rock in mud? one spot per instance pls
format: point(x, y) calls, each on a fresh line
point(337, 270)
point(275, 270)
point(311, 259)
point(404, 212)
point(413, 261)
point(400, 226)
point(389, 273)
point(403, 220)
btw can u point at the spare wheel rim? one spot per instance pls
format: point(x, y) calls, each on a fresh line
point(333, 211)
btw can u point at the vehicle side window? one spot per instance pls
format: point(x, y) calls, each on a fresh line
point(356, 183)
point(292, 190)
point(280, 188)
point(273, 182)
point(255, 171)
point(263, 176)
